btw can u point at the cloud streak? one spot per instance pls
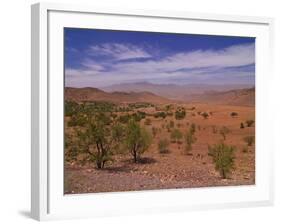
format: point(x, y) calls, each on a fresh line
point(124, 63)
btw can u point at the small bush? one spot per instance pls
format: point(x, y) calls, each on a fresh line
point(163, 146)
point(223, 158)
point(245, 149)
point(233, 114)
point(249, 140)
point(250, 123)
point(172, 124)
point(160, 115)
point(223, 131)
point(189, 140)
point(180, 113)
point(147, 121)
point(242, 125)
point(214, 129)
point(176, 135)
point(193, 128)
point(205, 115)
point(154, 131)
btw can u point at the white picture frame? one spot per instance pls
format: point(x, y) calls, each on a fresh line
point(48, 201)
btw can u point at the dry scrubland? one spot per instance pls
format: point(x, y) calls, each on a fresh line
point(144, 146)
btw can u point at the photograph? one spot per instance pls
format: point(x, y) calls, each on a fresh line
point(157, 110)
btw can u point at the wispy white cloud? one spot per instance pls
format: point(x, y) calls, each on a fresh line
point(189, 66)
point(119, 51)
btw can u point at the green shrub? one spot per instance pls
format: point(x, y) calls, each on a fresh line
point(78, 119)
point(163, 146)
point(242, 125)
point(180, 113)
point(189, 140)
point(176, 135)
point(161, 114)
point(249, 140)
point(70, 108)
point(223, 158)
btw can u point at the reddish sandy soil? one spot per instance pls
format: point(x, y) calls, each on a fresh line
point(175, 169)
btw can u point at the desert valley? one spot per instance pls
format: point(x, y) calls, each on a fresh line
point(144, 136)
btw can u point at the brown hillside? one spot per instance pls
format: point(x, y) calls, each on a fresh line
point(94, 94)
point(240, 97)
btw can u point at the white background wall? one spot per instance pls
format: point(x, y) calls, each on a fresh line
point(15, 110)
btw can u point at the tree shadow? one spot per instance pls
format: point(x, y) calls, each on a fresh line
point(143, 160)
point(124, 168)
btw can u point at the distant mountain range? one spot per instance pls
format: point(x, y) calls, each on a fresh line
point(172, 91)
point(162, 94)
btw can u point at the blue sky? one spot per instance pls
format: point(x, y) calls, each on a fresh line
point(98, 58)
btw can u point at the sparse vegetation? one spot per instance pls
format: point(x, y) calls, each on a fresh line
point(180, 113)
point(250, 123)
point(249, 140)
point(223, 158)
point(109, 136)
point(161, 114)
point(172, 124)
point(189, 140)
point(205, 115)
point(176, 135)
point(233, 114)
point(214, 129)
point(163, 146)
point(147, 121)
point(224, 131)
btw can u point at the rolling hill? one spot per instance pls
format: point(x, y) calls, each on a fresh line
point(240, 97)
point(172, 91)
point(94, 94)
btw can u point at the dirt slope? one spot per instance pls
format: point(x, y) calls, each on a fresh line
point(94, 94)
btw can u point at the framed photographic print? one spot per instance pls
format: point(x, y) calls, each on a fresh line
point(148, 111)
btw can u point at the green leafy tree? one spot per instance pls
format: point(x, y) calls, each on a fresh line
point(97, 141)
point(137, 140)
point(223, 158)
